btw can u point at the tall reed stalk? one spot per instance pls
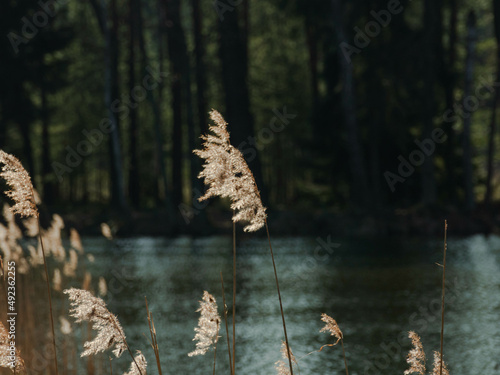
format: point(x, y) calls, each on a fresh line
point(279, 297)
point(234, 299)
point(154, 342)
point(47, 282)
point(445, 245)
point(225, 323)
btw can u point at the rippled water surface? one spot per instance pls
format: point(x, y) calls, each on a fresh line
point(376, 289)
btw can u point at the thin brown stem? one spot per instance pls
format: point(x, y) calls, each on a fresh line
point(345, 359)
point(110, 366)
point(234, 298)
point(215, 353)
point(152, 331)
point(442, 297)
point(126, 344)
point(47, 280)
point(281, 304)
point(225, 323)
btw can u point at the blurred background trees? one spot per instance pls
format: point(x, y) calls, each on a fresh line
point(331, 102)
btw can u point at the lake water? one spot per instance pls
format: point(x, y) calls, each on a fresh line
point(377, 290)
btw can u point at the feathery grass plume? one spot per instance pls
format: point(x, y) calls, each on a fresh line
point(138, 365)
point(437, 365)
point(71, 265)
point(75, 241)
point(416, 356)
point(57, 280)
point(226, 174)
point(86, 307)
point(281, 366)
point(21, 189)
point(14, 362)
point(65, 326)
point(207, 332)
point(332, 327)
point(102, 287)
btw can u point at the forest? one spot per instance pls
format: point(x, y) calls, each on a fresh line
point(370, 108)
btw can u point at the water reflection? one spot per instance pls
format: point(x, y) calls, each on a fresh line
point(376, 289)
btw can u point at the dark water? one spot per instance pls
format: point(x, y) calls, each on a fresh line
point(377, 290)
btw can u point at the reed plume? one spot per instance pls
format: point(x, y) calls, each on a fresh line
point(14, 362)
point(439, 365)
point(86, 307)
point(333, 328)
point(21, 189)
point(282, 368)
point(138, 365)
point(207, 332)
point(226, 174)
point(416, 356)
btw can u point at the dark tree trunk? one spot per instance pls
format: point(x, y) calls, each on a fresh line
point(360, 195)
point(234, 65)
point(200, 68)
point(496, 103)
point(47, 175)
point(133, 170)
point(432, 43)
point(449, 81)
point(175, 40)
point(469, 78)
point(312, 48)
point(110, 34)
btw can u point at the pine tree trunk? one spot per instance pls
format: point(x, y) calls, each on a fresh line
point(360, 194)
point(493, 122)
point(133, 170)
point(469, 78)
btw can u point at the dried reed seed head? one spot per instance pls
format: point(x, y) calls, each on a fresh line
point(75, 241)
point(102, 287)
point(138, 366)
point(283, 366)
point(332, 327)
point(416, 356)
point(21, 189)
point(14, 362)
point(226, 174)
point(86, 307)
point(437, 365)
point(71, 265)
point(57, 280)
point(207, 332)
point(65, 326)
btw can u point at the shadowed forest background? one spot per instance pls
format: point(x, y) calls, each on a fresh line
point(380, 115)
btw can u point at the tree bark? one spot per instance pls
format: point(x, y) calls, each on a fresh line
point(360, 195)
point(469, 77)
point(111, 93)
point(133, 170)
point(493, 122)
point(432, 42)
